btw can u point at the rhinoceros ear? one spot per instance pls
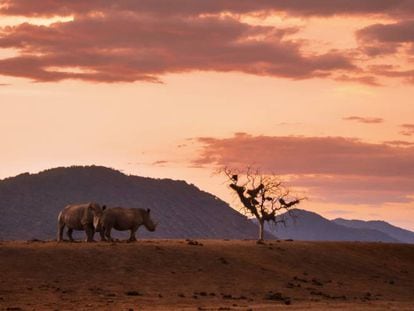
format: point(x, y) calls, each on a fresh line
point(90, 205)
point(148, 210)
point(103, 207)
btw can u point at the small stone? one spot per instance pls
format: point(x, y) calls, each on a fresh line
point(133, 293)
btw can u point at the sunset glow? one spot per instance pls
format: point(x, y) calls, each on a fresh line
point(320, 92)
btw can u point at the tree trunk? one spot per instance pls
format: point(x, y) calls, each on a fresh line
point(261, 231)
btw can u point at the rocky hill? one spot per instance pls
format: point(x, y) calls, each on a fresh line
point(30, 203)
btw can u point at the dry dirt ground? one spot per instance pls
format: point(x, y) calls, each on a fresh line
point(217, 275)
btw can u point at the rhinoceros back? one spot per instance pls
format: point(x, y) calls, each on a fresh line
point(122, 218)
point(75, 216)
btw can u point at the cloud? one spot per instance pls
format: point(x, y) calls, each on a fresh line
point(402, 31)
point(400, 143)
point(131, 46)
point(358, 189)
point(408, 75)
point(160, 162)
point(396, 39)
point(363, 79)
point(196, 8)
point(338, 169)
point(129, 40)
point(408, 129)
point(393, 72)
point(369, 120)
point(386, 39)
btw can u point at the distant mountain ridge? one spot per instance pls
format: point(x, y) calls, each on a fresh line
point(400, 234)
point(30, 203)
point(306, 225)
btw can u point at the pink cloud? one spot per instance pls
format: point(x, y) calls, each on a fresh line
point(363, 79)
point(129, 40)
point(408, 129)
point(369, 120)
point(395, 39)
point(401, 143)
point(160, 162)
point(393, 72)
point(339, 169)
point(126, 47)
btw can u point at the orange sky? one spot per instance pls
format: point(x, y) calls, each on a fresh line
point(322, 93)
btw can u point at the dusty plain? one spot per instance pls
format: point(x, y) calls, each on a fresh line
point(206, 275)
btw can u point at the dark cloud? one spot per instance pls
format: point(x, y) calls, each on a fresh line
point(375, 49)
point(195, 7)
point(369, 120)
point(339, 169)
point(385, 39)
point(402, 31)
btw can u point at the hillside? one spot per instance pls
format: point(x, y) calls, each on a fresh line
point(30, 203)
point(219, 275)
point(309, 226)
point(400, 234)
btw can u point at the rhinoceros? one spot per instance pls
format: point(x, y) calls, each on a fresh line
point(79, 217)
point(122, 219)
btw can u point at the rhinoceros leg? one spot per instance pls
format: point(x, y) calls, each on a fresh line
point(69, 232)
point(61, 226)
point(132, 237)
point(102, 234)
point(90, 231)
point(108, 233)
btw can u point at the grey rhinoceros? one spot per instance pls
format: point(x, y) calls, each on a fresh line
point(121, 218)
point(79, 217)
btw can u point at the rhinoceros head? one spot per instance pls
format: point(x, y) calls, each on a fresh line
point(97, 212)
point(148, 222)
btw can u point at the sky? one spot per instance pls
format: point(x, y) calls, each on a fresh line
point(319, 92)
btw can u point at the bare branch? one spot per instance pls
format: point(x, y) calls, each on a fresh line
point(261, 195)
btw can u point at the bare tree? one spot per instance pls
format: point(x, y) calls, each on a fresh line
point(262, 195)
